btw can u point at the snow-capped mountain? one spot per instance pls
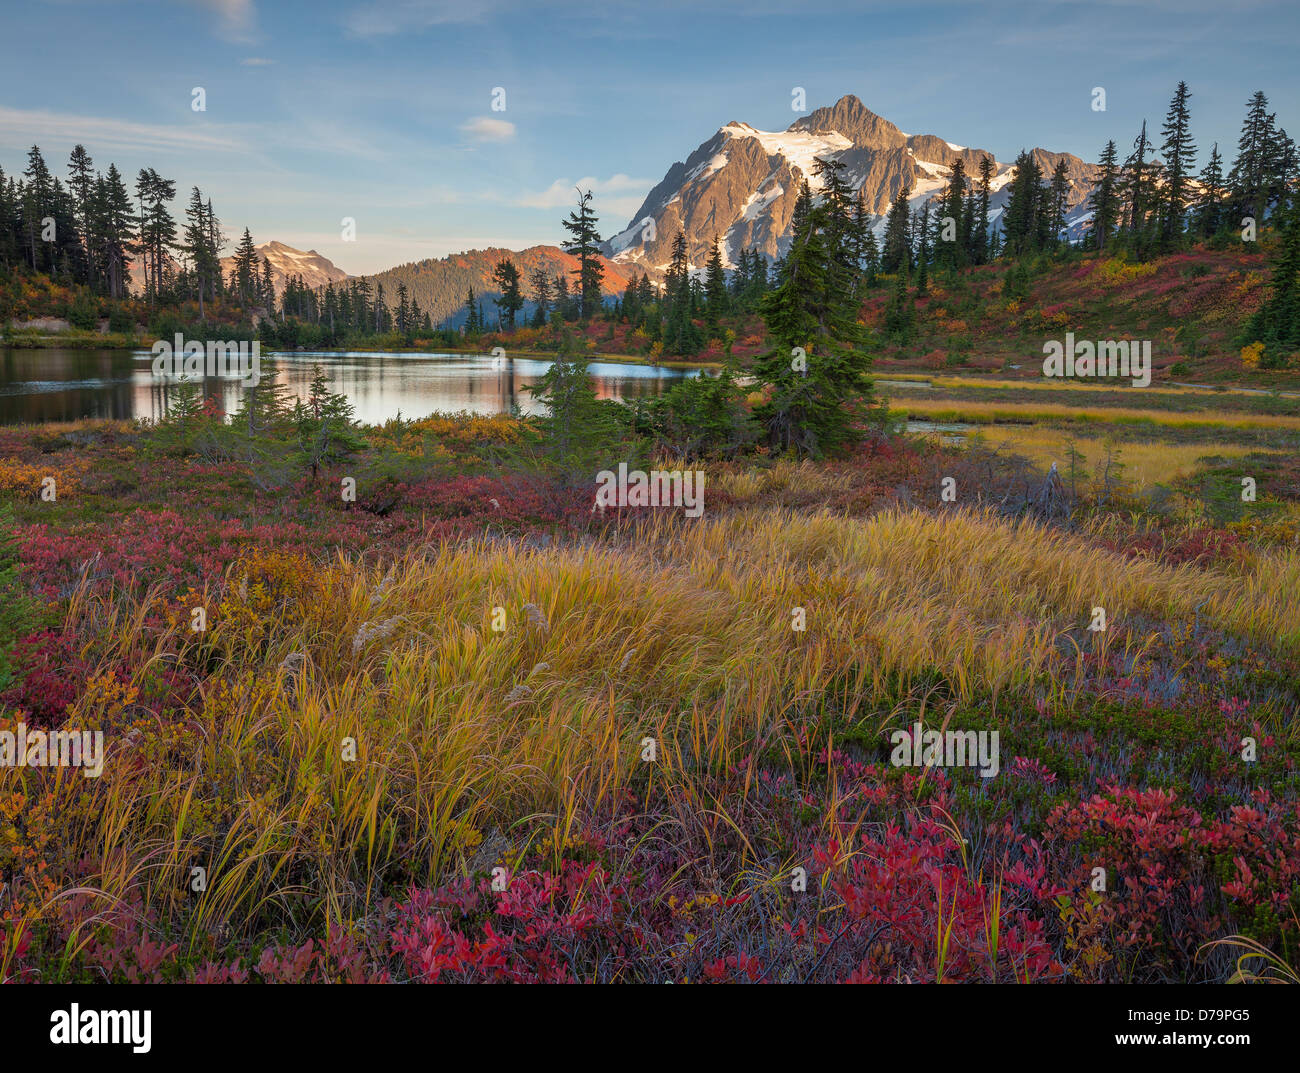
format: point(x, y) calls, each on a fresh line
point(741, 185)
point(315, 269)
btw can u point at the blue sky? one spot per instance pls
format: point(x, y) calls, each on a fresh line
point(382, 111)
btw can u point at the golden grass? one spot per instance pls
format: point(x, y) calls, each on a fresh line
point(1145, 464)
point(1029, 412)
point(1056, 384)
point(683, 635)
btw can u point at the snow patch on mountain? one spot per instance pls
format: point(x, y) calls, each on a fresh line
point(800, 148)
point(759, 201)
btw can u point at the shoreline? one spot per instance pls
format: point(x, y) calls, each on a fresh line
point(95, 341)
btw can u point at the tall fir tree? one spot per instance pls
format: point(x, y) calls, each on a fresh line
point(1210, 204)
point(980, 251)
point(896, 253)
point(1138, 185)
point(511, 299)
point(584, 243)
point(1179, 154)
point(1248, 179)
point(715, 286)
point(1105, 199)
point(814, 376)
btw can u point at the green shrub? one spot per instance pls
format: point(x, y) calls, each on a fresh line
point(83, 313)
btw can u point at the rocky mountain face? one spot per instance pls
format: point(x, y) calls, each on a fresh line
point(741, 185)
point(315, 269)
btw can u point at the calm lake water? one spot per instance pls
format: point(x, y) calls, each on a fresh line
point(38, 386)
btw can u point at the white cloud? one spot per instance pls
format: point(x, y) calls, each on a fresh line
point(256, 61)
point(382, 18)
point(235, 18)
point(485, 129)
point(619, 195)
point(20, 128)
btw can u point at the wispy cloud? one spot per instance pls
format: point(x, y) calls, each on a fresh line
point(256, 61)
point(620, 194)
point(384, 17)
point(485, 129)
point(20, 128)
point(236, 19)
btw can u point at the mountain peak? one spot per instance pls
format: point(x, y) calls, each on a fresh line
point(286, 261)
point(853, 119)
point(742, 183)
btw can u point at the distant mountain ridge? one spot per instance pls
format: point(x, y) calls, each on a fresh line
point(440, 284)
point(316, 269)
point(741, 185)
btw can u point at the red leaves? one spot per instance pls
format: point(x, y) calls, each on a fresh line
point(48, 677)
point(1177, 879)
point(529, 933)
point(914, 912)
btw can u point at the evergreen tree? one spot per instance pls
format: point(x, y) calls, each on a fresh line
point(1058, 192)
point(245, 268)
point(865, 255)
point(923, 252)
point(511, 300)
point(980, 250)
point(1277, 323)
point(896, 252)
point(837, 223)
point(813, 403)
point(900, 314)
point(81, 184)
point(564, 304)
point(715, 286)
point(325, 426)
point(1138, 186)
point(267, 289)
point(580, 433)
point(584, 243)
point(680, 334)
point(1022, 228)
point(1248, 179)
point(541, 287)
point(473, 324)
point(1210, 205)
point(1179, 154)
point(157, 229)
point(403, 314)
point(952, 252)
point(204, 259)
point(1105, 198)
point(37, 199)
point(739, 284)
